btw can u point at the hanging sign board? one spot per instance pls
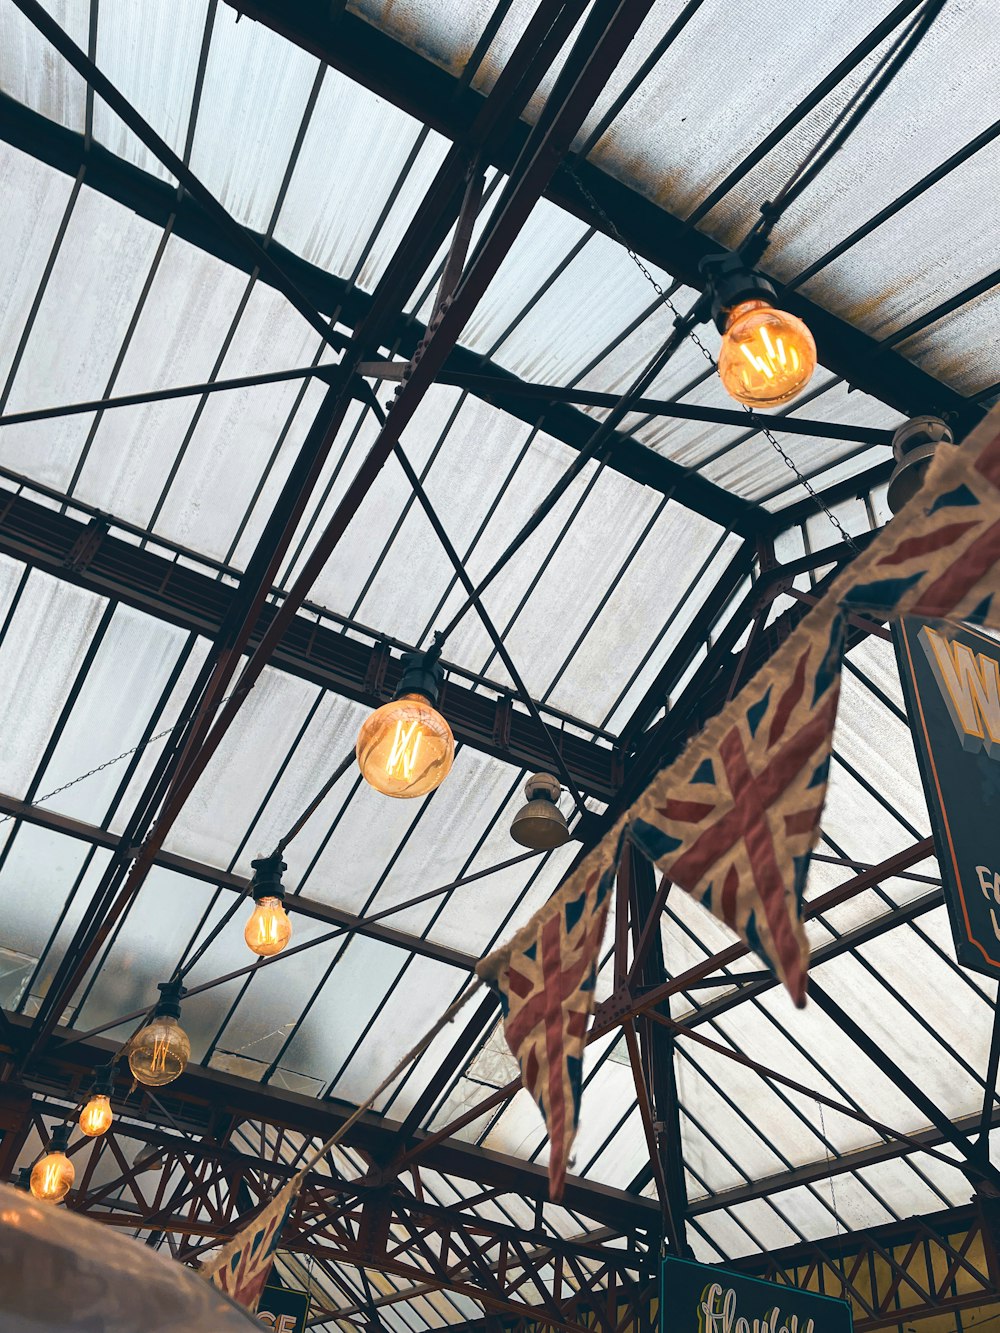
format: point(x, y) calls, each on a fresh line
point(951, 684)
point(699, 1298)
point(283, 1310)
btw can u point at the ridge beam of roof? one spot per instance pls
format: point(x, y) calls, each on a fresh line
point(157, 201)
point(436, 97)
point(87, 555)
point(310, 908)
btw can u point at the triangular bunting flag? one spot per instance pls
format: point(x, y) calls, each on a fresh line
point(545, 979)
point(734, 819)
point(241, 1269)
point(938, 558)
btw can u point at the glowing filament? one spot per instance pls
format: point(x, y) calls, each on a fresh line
point(402, 759)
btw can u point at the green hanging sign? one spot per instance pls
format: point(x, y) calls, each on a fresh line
point(282, 1310)
point(951, 685)
point(700, 1298)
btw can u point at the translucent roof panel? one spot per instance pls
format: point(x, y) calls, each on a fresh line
point(99, 302)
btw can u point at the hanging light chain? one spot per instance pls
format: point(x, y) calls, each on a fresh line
point(125, 754)
point(706, 353)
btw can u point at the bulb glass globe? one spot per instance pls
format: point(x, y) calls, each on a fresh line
point(405, 748)
point(159, 1052)
point(767, 356)
point(269, 929)
point(52, 1177)
point(96, 1116)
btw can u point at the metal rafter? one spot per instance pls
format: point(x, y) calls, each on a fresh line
point(427, 92)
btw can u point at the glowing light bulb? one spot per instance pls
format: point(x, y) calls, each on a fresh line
point(405, 748)
point(53, 1175)
point(160, 1052)
point(767, 356)
point(269, 929)
point(96, 1116)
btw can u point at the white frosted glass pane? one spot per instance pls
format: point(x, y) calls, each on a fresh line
point(121, 690)
point(35, 199)
point(177, 341)
point(150, 53)
point(252, 103)
point(40, 655)
point(77, 333)
point(353, 154)
point(32, 71)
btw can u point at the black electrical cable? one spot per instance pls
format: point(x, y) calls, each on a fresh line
point(316, 802)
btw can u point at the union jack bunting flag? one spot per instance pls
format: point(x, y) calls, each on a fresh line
point(938, 557)
point(241, 1269)
point(734, 820)
point(545, 980)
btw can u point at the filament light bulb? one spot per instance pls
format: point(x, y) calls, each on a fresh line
point(160, 1051)
point(52, 1176)
point(405, 748)
point(96, 1116)
point(269, 929)
point(767, 356)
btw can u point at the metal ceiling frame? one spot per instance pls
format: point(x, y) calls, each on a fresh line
point(497, 1259)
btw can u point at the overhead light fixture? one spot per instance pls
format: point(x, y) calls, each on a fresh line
point(767, 356)
point(268, 929)
point(97, 1115)
point(913, 447)
point(540, 824)
point(52, 1176)
point(159, 1052)
point(405, 748)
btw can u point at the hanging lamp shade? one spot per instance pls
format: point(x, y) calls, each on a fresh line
point(540, 824)
point(913, 447)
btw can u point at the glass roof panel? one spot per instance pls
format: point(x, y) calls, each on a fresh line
point(150, 53)
point(243, 141)
point(34, 74)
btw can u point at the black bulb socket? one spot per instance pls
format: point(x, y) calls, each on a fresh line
point(729, 282)
point(103, 1084)
point(171, 994)
point(59, 1141)
point(266, 882)
point(422, 674)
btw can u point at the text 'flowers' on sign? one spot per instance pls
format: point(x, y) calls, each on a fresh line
point(700, 1298)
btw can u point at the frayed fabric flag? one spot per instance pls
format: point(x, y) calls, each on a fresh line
point(241, 1269)
point(545, 979)
point(734, 819)
point(938, 558)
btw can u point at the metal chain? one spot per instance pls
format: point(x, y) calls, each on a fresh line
point(665, 299)
point(125, 754)
point(833, 1200)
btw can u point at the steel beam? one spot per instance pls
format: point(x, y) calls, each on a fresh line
point(434, 97)
point(812, 1173)
point(486, 385)
point(893, 1275)
point(157, 201)
point(311, 909)
point(49, 540)
point(198, 1098)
